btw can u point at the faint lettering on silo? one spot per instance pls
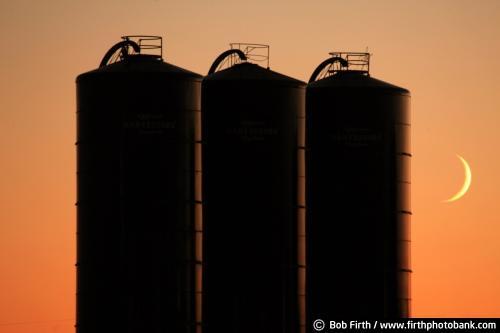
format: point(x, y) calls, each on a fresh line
point(356, 137)
point(253, 131)
point(150, 123)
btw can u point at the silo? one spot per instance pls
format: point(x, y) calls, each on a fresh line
point(358, 193)
point(250, 122)
point(135, 192)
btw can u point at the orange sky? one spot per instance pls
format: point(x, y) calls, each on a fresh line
point(446, 52)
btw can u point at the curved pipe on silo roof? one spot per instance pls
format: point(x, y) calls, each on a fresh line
point(325, 63)
point(116, 47)
point(223, 56)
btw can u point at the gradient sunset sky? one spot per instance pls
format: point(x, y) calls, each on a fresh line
point(447, 53)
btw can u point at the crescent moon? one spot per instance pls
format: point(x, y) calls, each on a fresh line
point(467, 181)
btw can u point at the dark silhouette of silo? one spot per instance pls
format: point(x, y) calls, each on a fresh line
point(135, 184)
point(358, 193)
point(249, 130)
